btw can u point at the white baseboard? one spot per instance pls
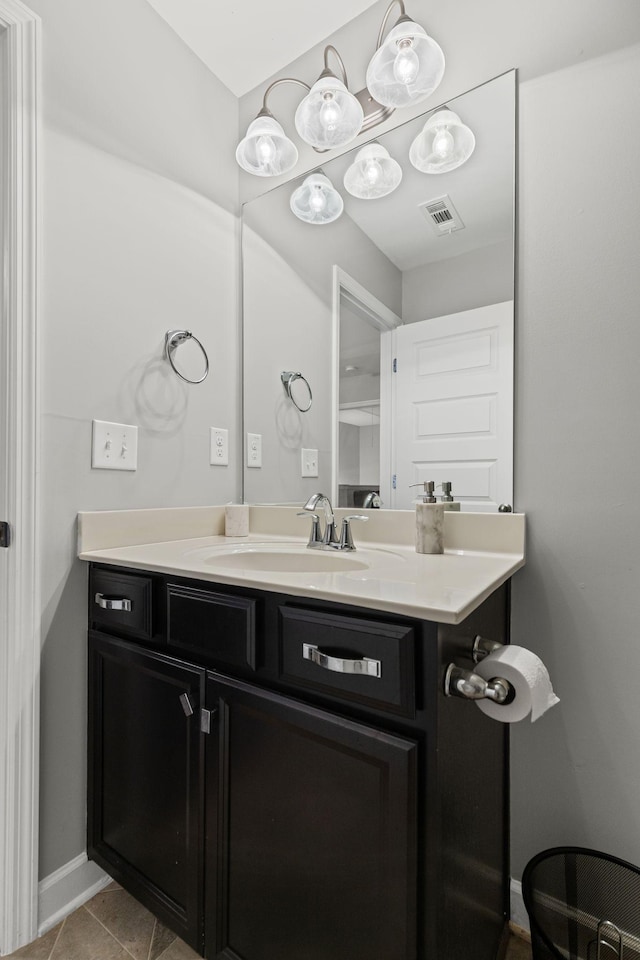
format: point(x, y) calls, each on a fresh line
point(66, 889)
point(519, 915)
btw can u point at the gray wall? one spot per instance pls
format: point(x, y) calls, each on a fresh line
point(140, 228)
point(576, 773)
point(475, 279)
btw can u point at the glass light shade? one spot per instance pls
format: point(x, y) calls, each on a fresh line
point(373, 173)
point(317, 200)
point(407, 68)
point(329, 116)
point(444, 144)
point(266, 150)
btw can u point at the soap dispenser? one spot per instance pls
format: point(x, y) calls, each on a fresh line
point(447, 496)
point(429, 520)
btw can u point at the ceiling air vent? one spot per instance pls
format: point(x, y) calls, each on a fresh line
point(442, 215)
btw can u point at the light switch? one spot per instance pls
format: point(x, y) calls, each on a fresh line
point(219, 447)
point(254, 450)
point(309, 466)
point(114, 446)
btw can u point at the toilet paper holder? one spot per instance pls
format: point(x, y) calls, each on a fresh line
point(459, 682)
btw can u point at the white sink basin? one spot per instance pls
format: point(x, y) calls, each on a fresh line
point(288, 558)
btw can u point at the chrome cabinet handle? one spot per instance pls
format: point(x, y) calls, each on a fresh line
point(114, 603)
point(185, 703)
point(365, 667)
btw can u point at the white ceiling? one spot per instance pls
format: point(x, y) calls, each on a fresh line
point(244, 42)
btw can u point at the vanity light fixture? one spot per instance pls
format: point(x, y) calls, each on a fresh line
point(317, 200)
point(444, 143)
point(329, 116)
point(408, 66)
point(405, 69)
point(266, 150)
point(373, 173)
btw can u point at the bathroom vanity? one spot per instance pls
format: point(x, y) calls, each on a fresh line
point(275, 773)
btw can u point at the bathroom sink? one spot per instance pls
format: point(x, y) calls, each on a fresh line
point(271, 557)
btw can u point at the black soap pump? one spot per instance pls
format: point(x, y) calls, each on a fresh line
point(429, 520)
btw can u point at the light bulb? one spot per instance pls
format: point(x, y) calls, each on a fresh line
point(406, 65)
point(330, 112)
point(266, 149)
point(443, 143)
point(317, 200)
point(372, 172)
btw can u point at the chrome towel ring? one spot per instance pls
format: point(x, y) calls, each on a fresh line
point(288, 379)
point(172, 340)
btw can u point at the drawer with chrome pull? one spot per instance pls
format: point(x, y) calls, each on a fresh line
point(360, 659)
point(121, 603)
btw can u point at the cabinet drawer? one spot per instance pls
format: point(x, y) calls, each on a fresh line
point(218, 626)
point(350, 658)
point(121, 603)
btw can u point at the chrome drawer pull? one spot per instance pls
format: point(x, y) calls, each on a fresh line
point(366, 666)
point(113, 603)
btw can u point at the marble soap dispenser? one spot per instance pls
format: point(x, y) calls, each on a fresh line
point(429, 520)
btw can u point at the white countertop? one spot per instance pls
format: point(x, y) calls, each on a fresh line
point(444, 588)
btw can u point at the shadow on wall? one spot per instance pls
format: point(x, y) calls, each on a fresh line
point(156, 393)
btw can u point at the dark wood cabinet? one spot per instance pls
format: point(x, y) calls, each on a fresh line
point(145, 778)
point(313, 820)
point(266, 807)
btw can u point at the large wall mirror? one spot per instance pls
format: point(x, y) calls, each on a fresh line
point(392, 322)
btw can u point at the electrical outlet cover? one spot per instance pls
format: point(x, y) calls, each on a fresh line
point(219, 455)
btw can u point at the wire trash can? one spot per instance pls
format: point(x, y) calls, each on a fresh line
point(582, 905)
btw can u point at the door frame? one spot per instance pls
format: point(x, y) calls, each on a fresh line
point(20, 632)
point(385, 320)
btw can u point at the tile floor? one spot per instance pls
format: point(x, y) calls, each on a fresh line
point(111, 926)
point(114, 926)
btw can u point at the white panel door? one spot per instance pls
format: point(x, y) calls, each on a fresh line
point(452, 398)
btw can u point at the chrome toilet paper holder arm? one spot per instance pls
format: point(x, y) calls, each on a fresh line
point(482, 648)
point(459, 682)
point(469, 685)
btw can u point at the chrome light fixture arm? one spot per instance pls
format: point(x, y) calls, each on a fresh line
point(265, 112)
point(385, 19)
point(328, 72)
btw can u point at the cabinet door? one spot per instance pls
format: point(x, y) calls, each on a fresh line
point(145, 779)
point(311, 820)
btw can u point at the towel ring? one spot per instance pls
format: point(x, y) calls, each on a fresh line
point(288, 379)
point(172, 340)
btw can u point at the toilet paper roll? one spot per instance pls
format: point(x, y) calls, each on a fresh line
point(529, 678)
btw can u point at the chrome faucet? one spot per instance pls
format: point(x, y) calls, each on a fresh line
point(328, 540)
point(329, 535)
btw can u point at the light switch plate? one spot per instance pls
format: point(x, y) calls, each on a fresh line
point(114, 446)
point(254, 450)
point(219, 447)
point(309, 465)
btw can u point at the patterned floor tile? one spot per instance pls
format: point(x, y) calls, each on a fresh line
point(83, 938)
point(518, 949)
point(40, 949)
point(127, 920)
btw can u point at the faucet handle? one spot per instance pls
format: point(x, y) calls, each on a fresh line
point(346, 540)
point(314, 536)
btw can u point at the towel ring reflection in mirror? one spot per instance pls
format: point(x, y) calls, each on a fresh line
point(288, 379)
point(172, 340)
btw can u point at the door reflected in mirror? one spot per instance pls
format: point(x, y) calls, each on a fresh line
point(399, 316)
